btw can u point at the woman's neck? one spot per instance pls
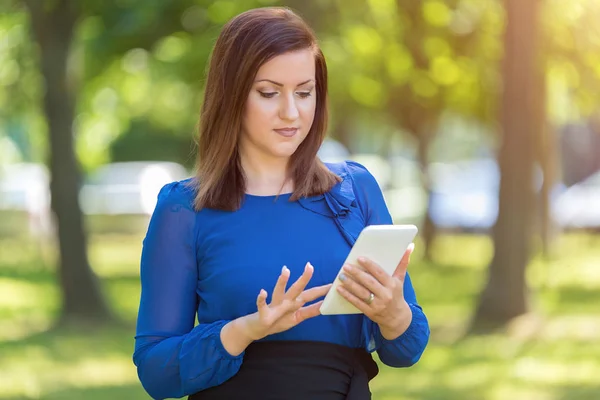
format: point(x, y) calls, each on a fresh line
point(266, 177)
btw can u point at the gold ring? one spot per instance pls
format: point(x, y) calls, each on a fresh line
point(370, 299)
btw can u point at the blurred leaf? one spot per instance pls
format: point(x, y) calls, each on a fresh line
point(444, 71)
point(399, 64)
point(364, 41)
point(367, 91)
point(436, 13)
point(172, 48)
point(221, 11)
point(423, 86)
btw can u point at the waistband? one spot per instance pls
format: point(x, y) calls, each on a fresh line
point(298, 370)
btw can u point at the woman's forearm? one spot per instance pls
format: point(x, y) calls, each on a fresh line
point(235, 336)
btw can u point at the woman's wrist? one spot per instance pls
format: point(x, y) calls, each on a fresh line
point(396, 328)
point(236, 336)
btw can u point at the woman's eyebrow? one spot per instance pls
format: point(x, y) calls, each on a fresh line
point(281, 84)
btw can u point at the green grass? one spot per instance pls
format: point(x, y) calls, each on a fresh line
point(551, 354)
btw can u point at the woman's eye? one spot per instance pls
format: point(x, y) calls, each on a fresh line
point(304, 95)
point(267, 95)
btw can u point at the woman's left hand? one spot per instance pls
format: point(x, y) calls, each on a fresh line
point(378, 295)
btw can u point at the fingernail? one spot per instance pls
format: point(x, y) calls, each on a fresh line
point(309, 265)
point(342, 277)
point(347, 267)
point(362, 259)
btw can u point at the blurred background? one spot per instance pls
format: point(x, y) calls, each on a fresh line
point(479, 118)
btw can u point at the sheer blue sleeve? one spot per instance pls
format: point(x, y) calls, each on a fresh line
point(407, 349)
point(174, 358)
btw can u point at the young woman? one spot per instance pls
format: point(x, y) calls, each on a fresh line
point(256, 238)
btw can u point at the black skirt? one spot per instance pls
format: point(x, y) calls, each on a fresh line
point(298, 371)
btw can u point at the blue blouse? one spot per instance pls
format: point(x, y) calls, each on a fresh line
point(212, 264)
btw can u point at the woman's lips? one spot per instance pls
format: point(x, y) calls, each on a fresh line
point(287, 132)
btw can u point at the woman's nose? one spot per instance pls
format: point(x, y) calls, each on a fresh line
point(289, 110)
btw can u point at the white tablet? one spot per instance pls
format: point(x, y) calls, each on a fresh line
point(384, 244)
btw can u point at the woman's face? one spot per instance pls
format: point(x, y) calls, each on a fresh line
point(280, 108)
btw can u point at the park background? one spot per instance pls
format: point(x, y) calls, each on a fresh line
point(479, 118)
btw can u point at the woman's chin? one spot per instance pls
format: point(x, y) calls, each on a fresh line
point(284, 151)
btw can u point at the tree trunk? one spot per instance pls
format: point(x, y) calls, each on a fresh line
point(549, 162)
point(547, 158)
point(505, 294)
point(428, 231)
point(52, 25)
point(343, 134)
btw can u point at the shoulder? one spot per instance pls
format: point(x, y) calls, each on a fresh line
point(359, 187)
point(177, 195)
point(354, 171)
point(174, 218)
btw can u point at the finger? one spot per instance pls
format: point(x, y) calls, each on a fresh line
point(375, 270)
point(307, 296)
point(403, 265)
point(309, 311)
point(261, 301)
point(356, 276)
point(355, 287)
point(287, 306)
point(314, 293)
point(279, 290)
point(355, 301)
point(298, 286)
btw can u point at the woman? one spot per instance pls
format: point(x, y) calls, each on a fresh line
point(255, 239)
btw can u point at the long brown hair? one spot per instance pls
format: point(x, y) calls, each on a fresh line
point(245, 43)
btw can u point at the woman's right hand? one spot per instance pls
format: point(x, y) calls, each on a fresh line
point(285, 311)
point(286, 308)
